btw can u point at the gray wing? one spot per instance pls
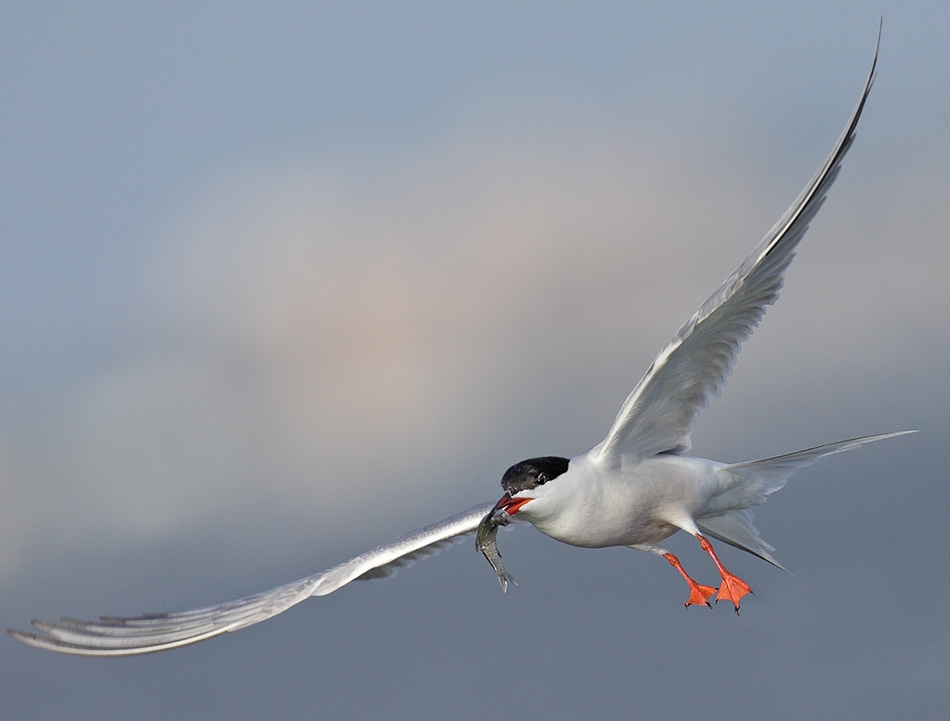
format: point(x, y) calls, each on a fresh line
point(658, 414)
point(112, 636)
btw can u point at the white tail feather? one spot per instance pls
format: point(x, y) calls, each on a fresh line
point(728, 517)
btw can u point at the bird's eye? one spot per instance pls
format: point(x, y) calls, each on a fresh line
point(542, 479)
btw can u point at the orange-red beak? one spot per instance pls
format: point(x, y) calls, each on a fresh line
point(509, 505)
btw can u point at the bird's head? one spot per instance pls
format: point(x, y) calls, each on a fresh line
point(523, 481)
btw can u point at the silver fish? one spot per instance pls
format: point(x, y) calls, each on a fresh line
point(485, 541)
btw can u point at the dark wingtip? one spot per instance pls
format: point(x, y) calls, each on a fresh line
point(22, 636)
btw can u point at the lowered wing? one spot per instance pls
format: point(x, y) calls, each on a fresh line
point(112, 636)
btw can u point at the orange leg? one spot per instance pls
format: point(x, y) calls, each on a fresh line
point(733, 588)
point(698, 594)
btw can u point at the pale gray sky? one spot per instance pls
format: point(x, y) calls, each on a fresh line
point(284, 283)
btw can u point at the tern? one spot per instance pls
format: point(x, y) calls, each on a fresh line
point(635, 488)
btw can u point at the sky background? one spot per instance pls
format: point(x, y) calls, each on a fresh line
point(280, 283)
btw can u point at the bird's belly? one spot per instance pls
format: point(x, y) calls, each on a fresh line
point(610, 526)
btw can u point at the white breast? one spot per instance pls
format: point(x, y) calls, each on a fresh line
point(594, 506)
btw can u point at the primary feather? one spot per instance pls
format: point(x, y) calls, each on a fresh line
point(658, 415)
point(114, 636)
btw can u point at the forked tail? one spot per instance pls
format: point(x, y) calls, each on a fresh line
point(745, 485)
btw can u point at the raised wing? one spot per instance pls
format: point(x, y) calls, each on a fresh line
point(112, 636)
point(658, 414)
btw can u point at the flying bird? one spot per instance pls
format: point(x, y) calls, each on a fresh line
point(635, 488)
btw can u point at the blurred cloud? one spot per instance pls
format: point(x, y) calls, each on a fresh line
point(316, 335)
point(13, 521)
point(279, 284)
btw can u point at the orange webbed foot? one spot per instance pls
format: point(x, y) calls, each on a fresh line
point(698, 594)
point(733, 589)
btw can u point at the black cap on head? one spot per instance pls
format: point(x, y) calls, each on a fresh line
point(532, 472)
